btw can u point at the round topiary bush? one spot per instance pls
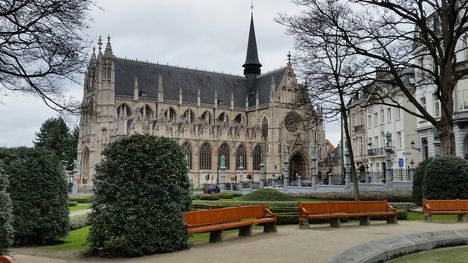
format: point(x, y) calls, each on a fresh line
point(418, 181)
point(6, 229)
point(266, 195)
point(141, 190)
point(38, 191)
point(446, 178)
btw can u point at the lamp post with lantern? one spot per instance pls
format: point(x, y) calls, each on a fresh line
point(314, 165)
point(285, 168)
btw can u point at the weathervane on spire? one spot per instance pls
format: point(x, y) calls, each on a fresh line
point(289, 57)
point(251, 7)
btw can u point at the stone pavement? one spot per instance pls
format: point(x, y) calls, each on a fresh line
point(290, 244)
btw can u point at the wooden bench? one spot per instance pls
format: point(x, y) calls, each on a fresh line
point(5, 259)
point(345, 209)
point(241, 217)
point(445, 207)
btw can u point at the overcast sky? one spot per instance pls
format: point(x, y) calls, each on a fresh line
point(203, 34)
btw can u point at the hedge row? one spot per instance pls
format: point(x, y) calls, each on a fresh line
point(391, 196)
point(215, 196)
point(81, 198)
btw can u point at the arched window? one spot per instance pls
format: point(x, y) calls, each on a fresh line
point(239, 119)
point(224, 150)
point(188, 153)
point(265, 128)
point(146, 111)
point(223, 117)
point(188, 115)
point(241, 152)
point(257, 157)
point(170, 115)
point(206, 116)
point(124, 111)
point(205, 157)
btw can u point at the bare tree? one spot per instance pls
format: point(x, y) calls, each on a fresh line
point(332, 70)
point(419, 35)
point(42, 46)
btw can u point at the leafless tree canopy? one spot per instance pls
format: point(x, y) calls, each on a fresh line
point(42, 44)
point(422, 36)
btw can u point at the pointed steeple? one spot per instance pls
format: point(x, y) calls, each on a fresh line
point(108, 51)
point(252, 64)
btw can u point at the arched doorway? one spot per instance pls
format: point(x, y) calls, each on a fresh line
point(85, 166)
point(297, 166)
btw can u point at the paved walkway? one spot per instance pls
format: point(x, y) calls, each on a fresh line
point(290, 244)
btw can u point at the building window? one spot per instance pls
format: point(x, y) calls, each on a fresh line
point(170, 115)
point(124, 111)
point(376, 119)
point(205, 157)
point(376, 142)
point(436, 106)
point(423, 102)
point(369, 121)
point(399, 140)
point(241, 153)
point(382, 117)
point(188, 115)
point(265, 128)
point(257, 157)
point(389, 114)
point(187, 149)
point(463, 99)
point(291, 121)
point(224, 150)
point(397, 113)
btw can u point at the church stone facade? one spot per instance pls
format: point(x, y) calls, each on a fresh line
point(253, 118)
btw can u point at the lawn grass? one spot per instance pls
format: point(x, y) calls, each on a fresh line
point(446, 255)
point(80, 206)
point(435, 218)
point(76, 240)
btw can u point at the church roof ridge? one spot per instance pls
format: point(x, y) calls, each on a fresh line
point(179, 67)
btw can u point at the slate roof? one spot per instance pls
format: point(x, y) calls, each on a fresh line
point(190, 80)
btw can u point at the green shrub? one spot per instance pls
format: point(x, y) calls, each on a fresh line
point(141, 190)
point(6, 210)
point(266, 195)
point(72, 203)
point(237, 194)
point(82, 199)
point(418, 181)
point(209, 197)
point(446, 177)
point(391, 196)
point(225, 196)
point(78, 221)
point(38, 191)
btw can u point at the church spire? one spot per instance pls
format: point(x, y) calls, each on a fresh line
point(252, 64)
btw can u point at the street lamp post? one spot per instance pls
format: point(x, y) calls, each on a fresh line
point(285, 168)
point(222, 174)
point(241, 172)
point(262, 172)
point(313, 164)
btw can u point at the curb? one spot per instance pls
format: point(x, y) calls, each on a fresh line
point(385, 249)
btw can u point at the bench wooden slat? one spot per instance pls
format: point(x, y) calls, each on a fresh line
point(447, 207)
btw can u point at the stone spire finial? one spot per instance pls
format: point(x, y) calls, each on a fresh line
point(93, 57)
point(108, 51)
point(289, 58)
point(100, 44)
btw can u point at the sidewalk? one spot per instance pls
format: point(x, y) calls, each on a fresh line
point(290, 244)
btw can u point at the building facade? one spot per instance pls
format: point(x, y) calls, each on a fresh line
point(251, 120)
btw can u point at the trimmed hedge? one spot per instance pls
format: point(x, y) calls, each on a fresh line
point(446, 177)
point(391, 196)
point(141, 191)
point(418, 181)
point(72, 203)
point(6, 210)
point(38, 190)
point(81, 199)
point(266, 195)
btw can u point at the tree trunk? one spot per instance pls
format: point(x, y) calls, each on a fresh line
point(344, 117)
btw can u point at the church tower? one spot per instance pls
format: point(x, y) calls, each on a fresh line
point(252, 64)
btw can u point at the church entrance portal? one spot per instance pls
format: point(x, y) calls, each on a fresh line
point(297, 167)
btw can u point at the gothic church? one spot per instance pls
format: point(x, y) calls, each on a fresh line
point(252, 120)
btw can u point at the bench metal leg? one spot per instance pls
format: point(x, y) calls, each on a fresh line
point(460, 218)
point(364, 221)
point(335, 222)
point(245, 231)
point(216, 236)
point(392, 220)
point(303, 223)
point(428, 218)
point(270, 227)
